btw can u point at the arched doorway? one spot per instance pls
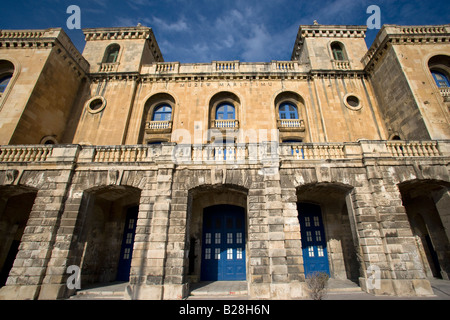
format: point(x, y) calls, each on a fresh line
point(326, 231)
point(427, 205)
point(15, 207)
point(107, 220)
point(217, 234)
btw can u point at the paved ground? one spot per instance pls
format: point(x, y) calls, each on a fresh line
point(237, 290)
point(338, 290)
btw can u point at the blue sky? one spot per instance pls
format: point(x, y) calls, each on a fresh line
point(204, 30)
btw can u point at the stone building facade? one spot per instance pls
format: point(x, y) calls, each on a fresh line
point(164, 174)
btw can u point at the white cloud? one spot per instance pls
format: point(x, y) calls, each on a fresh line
point(176, 26)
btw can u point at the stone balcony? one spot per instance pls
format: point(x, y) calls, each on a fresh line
point(341, 64)
point(225, 124)
point(251, 153)
point(108, 67)
point(445, 93)
point(158, 127)
point(291, 125)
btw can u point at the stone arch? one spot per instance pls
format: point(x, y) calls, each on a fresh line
point(151, 103)
point(16, 203)
point(339, 225)
point(9, 65)
point(99, 231)
point(202, 197)
point(291, 130)
point(426, 202)
point(440, 63)
point(227, 130)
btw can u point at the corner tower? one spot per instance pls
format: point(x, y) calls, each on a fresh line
point(330, 47)
point(120, 49)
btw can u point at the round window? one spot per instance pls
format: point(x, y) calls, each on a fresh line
point(352, 102)
point(96, 104)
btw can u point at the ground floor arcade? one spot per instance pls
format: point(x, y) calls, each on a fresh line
point(163, 226)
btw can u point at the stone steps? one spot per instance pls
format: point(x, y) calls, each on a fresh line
point(110, 291)
point(342, 286)
point(219, 289)
point(106, 295)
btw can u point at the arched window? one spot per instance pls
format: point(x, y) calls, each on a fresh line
point(441, 79)
point(4, 81)
point(111, 54)
point(288, 111)
point(162, 113)
point(338, 51)
point(225, 111)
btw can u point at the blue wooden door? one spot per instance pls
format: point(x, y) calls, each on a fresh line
point(126, 252)
point(314, 243)
point(223, 249)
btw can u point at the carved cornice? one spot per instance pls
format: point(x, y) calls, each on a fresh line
point(332, 31)
point(26, 39)
point(117, 33)
point(214, 77)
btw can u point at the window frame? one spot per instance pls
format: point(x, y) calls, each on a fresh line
point(113, 50)
point(8, 76)
point(288, 112)
point(434, 73)
point(226, 111)
point(338, 47)
point(162, 106)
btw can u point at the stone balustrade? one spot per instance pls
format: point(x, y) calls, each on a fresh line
point(167, 67)
point(225, 67)
point(158, 125)
point(223, 124)
point(445, 92)
point(413, 149)
point(25, 153)
point(341, 64)
point(285, 66)
point(318, 151)
point(291, 124)
point(230, 153)
point(120, 154)
point(232, 66)
point(108, 67)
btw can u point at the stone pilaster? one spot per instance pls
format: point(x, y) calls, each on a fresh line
point(151, 242)
point(392, 242)
point(33, 272)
